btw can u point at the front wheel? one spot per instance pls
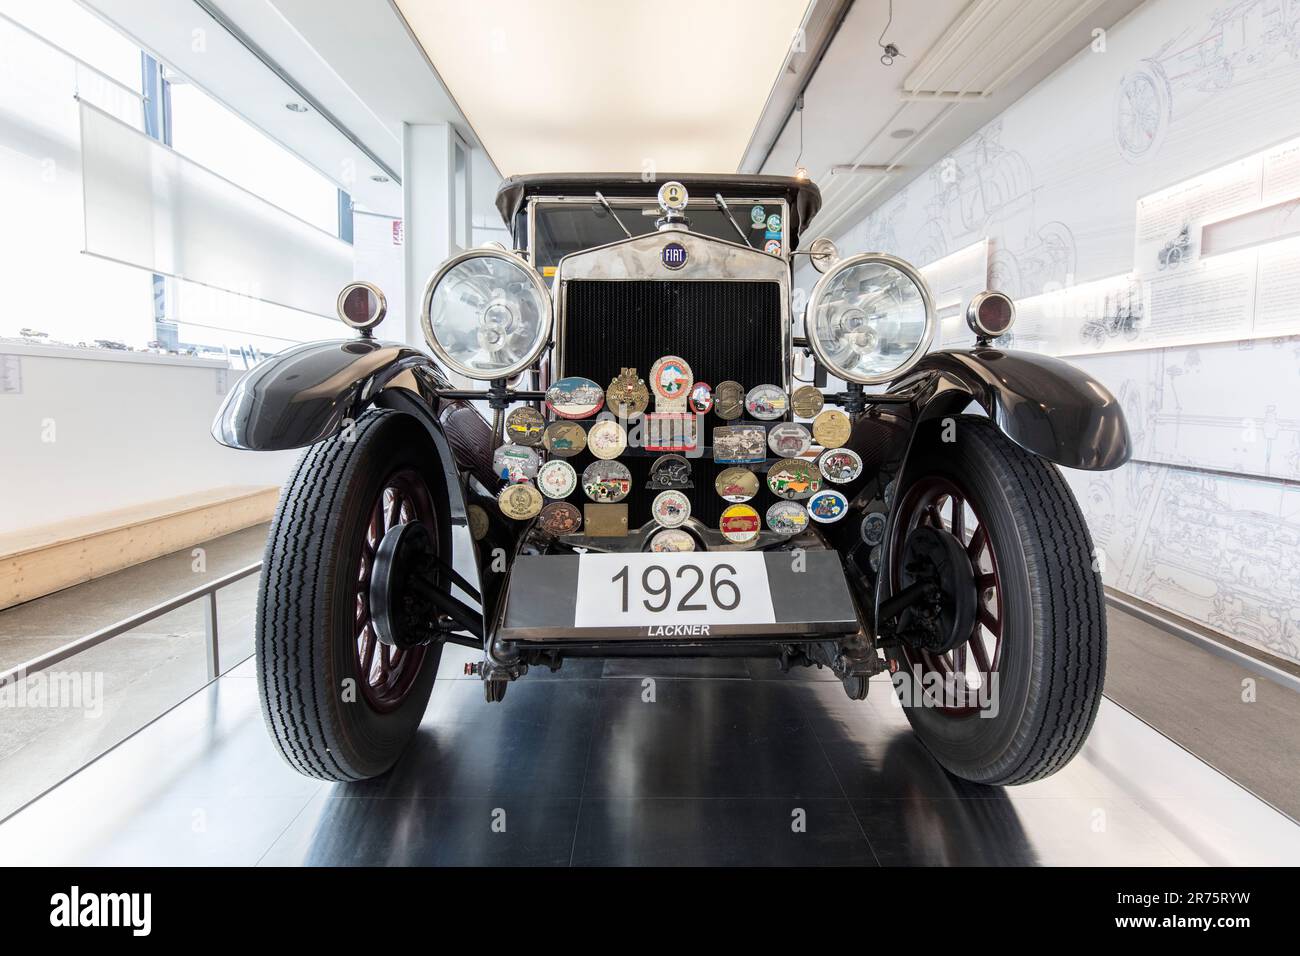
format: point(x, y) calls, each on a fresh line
point(340, 704)
point(1009, 695)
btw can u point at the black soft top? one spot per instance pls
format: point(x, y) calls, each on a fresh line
point(801, 195)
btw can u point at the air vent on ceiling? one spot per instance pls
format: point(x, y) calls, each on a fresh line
point(989, 44)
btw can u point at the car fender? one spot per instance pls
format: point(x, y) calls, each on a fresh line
point(306, 393)
point(1046, 406)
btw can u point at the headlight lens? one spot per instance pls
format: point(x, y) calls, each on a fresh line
point(487, 314)
point(870, 318)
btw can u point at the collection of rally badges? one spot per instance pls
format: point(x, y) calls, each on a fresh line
point(803, 485)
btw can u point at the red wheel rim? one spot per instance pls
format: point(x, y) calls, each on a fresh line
point(387, 674)
point(941, 503)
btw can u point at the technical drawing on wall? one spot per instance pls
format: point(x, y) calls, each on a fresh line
point(983, 189)
point(1239, 43)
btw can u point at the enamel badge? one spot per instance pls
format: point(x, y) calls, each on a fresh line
point(575, 397)
point(793, 479)
point(628, 394)
point(524, 425)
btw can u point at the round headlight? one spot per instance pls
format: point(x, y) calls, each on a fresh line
point(990, 314)
point(361, 306)
point(870, 318)
point(487, 314)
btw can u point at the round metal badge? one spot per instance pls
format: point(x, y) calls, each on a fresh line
point(560, 517)
point(840, 465)
point(520, 502)
point(564, 439)
point(807, 401)
point(788, 440)
point(627, 395)
point(515, 463)
point(793, 479)
point(606, 481)
point(524, 425)
point(736, 484)
point(670, 471)
point(766, 402)
point(478, 522)
point(827, 506)
point(700, 401)
point(873, 528)
point(671, 509)
point(670, 378)
point(607, 439)
point(832, 428)
point(557, 479)
point(787, 517)
point(575, 397)
point(672, 540)
point(740, 524)
point(729, 400)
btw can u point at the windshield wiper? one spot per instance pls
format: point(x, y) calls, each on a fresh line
point(722, 204)
point(610, 209)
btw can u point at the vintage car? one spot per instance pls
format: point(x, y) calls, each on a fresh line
point(943, 546)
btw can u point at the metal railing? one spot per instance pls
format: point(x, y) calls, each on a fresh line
point(206, 593)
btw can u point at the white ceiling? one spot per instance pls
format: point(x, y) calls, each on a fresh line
point(963, 62)
point(575, 85)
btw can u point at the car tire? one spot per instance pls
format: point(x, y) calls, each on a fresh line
point(334, 712)
point(1050, 655)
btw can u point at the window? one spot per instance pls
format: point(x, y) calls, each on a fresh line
point(70, 297)
point(213, 136)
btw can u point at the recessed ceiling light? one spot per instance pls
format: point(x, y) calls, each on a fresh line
point(379, 178)
point(295, 107)
point(903, 133)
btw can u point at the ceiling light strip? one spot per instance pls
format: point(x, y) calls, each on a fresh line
point(265, 58)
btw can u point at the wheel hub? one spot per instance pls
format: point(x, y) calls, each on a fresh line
point(401, 609)
point(944, 616)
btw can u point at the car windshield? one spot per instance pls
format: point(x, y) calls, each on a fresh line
point(560, 228)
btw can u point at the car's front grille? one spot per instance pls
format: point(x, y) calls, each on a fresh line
point(725, 330)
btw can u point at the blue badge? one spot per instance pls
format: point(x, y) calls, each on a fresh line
point(774, 222)
point(673, 255)
point(757, 215)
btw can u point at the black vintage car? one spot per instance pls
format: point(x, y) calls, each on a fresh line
point(942, 545)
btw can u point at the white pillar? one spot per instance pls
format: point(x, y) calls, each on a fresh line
point(429, 210)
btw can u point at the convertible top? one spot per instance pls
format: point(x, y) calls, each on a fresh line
point(801, 195)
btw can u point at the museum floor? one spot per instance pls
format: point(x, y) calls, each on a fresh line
point(576, 768)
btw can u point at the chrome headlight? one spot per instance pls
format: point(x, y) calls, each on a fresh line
point(487, 314)
point(870, 318)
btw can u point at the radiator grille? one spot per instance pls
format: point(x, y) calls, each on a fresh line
point(724, 330)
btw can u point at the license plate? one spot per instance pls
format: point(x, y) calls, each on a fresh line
point(672, 594)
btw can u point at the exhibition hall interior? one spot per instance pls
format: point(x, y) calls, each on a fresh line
point(568, 434)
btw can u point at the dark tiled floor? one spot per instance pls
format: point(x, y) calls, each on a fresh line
point(658, 765)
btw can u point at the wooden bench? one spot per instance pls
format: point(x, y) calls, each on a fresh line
point(41, 560)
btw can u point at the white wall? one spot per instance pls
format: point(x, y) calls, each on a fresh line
point(1207, 521)
point(125, 432)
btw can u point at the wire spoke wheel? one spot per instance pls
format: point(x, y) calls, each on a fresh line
point(1005, 666)
point(388, 672)
point(341, 704)
point(942, 504)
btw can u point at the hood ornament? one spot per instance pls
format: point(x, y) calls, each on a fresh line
point(672, 200)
